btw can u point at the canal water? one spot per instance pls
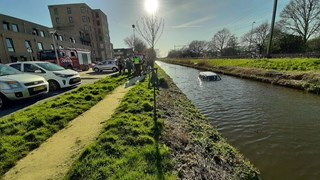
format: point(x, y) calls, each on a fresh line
point(276, 128)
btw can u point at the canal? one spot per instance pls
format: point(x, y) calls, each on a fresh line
point(276, 128)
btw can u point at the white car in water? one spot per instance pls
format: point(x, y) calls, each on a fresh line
point(15, 85)
point(57, 76)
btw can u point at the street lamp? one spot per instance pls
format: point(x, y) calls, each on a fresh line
point(52, 32)
point(251, 35)
point(134, 37)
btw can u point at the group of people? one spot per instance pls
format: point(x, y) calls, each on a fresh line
point(136, 63)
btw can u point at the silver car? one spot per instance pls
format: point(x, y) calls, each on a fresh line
point(15, 85)
point(107, 65)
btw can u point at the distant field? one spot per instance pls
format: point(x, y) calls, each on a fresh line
point(280, 64)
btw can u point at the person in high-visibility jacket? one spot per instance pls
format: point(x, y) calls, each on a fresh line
point(137, 68)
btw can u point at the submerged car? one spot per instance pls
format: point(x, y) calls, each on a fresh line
point(209, 76)
point(108, 65)
point(57, 76)
point(15, 85)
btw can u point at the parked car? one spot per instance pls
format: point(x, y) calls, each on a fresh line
point(108, 65)
point(57, 76)
point(15, 85)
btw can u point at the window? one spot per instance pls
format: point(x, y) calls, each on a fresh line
point(60, 47)
point(99, 31)
point(28, 45)
point(35, 32)
point(55, 11)
point(86, 28)
point(83, 9)
point(69, 10)
point(40, 46)
point(52, 46)
point(71, 40)
point(56, 36)
point(57, 20)
point(84, 18)
point(9, 43)
point(98, 23)
point(97, 15)
point(73, 54)
point(70, 19)
point(60, 38)
point(88, 19)
point(74, 41)
point(15, 28)
point(100, 38)
point(42, 34)
point(16, 66)
point(5, 26)
point(30, 68)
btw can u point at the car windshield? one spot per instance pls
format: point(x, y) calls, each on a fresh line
point(50, 66)
point(7, 70)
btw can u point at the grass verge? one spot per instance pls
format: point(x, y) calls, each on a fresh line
point(25, 130)
point(128, 147)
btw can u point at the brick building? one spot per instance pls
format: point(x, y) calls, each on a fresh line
point(75, 26)
point(90, 26)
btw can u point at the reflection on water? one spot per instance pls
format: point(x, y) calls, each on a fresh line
point(276, 128)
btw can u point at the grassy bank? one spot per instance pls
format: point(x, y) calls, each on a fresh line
point(179, 144)
point(299, 73)
point(25, 130)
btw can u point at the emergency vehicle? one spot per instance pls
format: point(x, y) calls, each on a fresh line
point(77, 59)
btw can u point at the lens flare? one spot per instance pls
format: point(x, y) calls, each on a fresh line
point(151, 6)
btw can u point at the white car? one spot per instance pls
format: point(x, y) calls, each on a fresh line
point(108, 65)
point(57, 76)
point(15, 85)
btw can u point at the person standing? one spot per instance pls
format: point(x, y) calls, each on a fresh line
point(129, 65)
point(137, 67)
point(120, 65)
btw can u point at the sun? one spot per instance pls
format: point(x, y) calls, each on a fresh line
point(151, 6)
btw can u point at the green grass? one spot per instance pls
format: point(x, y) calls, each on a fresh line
point(25, 130)
point(128, 147)
point(279, 64)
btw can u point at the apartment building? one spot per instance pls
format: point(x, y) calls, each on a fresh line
point(89, 26)
point(21, 40)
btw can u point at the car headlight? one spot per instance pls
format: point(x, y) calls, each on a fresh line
point(9, 84)
point(61, 75)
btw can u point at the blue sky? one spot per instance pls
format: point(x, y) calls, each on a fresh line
point(185, 20)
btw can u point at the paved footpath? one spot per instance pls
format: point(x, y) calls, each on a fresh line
point(54, 157)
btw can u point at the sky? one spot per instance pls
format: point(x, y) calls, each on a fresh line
point(185, 20)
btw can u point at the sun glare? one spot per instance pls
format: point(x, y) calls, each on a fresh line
point(151, 6)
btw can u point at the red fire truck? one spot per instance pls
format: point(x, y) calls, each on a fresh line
point(77, 59)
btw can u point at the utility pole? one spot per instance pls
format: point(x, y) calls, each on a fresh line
point(272, 27)
point(251, 36)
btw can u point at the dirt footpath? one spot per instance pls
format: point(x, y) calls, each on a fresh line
point(54, 157)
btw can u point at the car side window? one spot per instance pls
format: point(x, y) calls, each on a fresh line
point(30, 68)
point(16, 66)
point(109, 62)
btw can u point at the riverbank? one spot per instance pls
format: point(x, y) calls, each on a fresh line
point(308, 81)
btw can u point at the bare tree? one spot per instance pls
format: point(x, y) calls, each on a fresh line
point(220, 40)
point(150, 28)
point(136, 43)
point(197, 48)
point(257, 37)
point(302, 17)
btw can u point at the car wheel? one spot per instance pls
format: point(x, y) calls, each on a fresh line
point(96, 70)
point(114, 69)
point(53, 85)
point(3, 101)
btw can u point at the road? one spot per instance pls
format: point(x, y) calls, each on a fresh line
point(87, 77)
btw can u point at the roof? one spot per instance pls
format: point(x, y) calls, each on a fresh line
point(207, 73)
